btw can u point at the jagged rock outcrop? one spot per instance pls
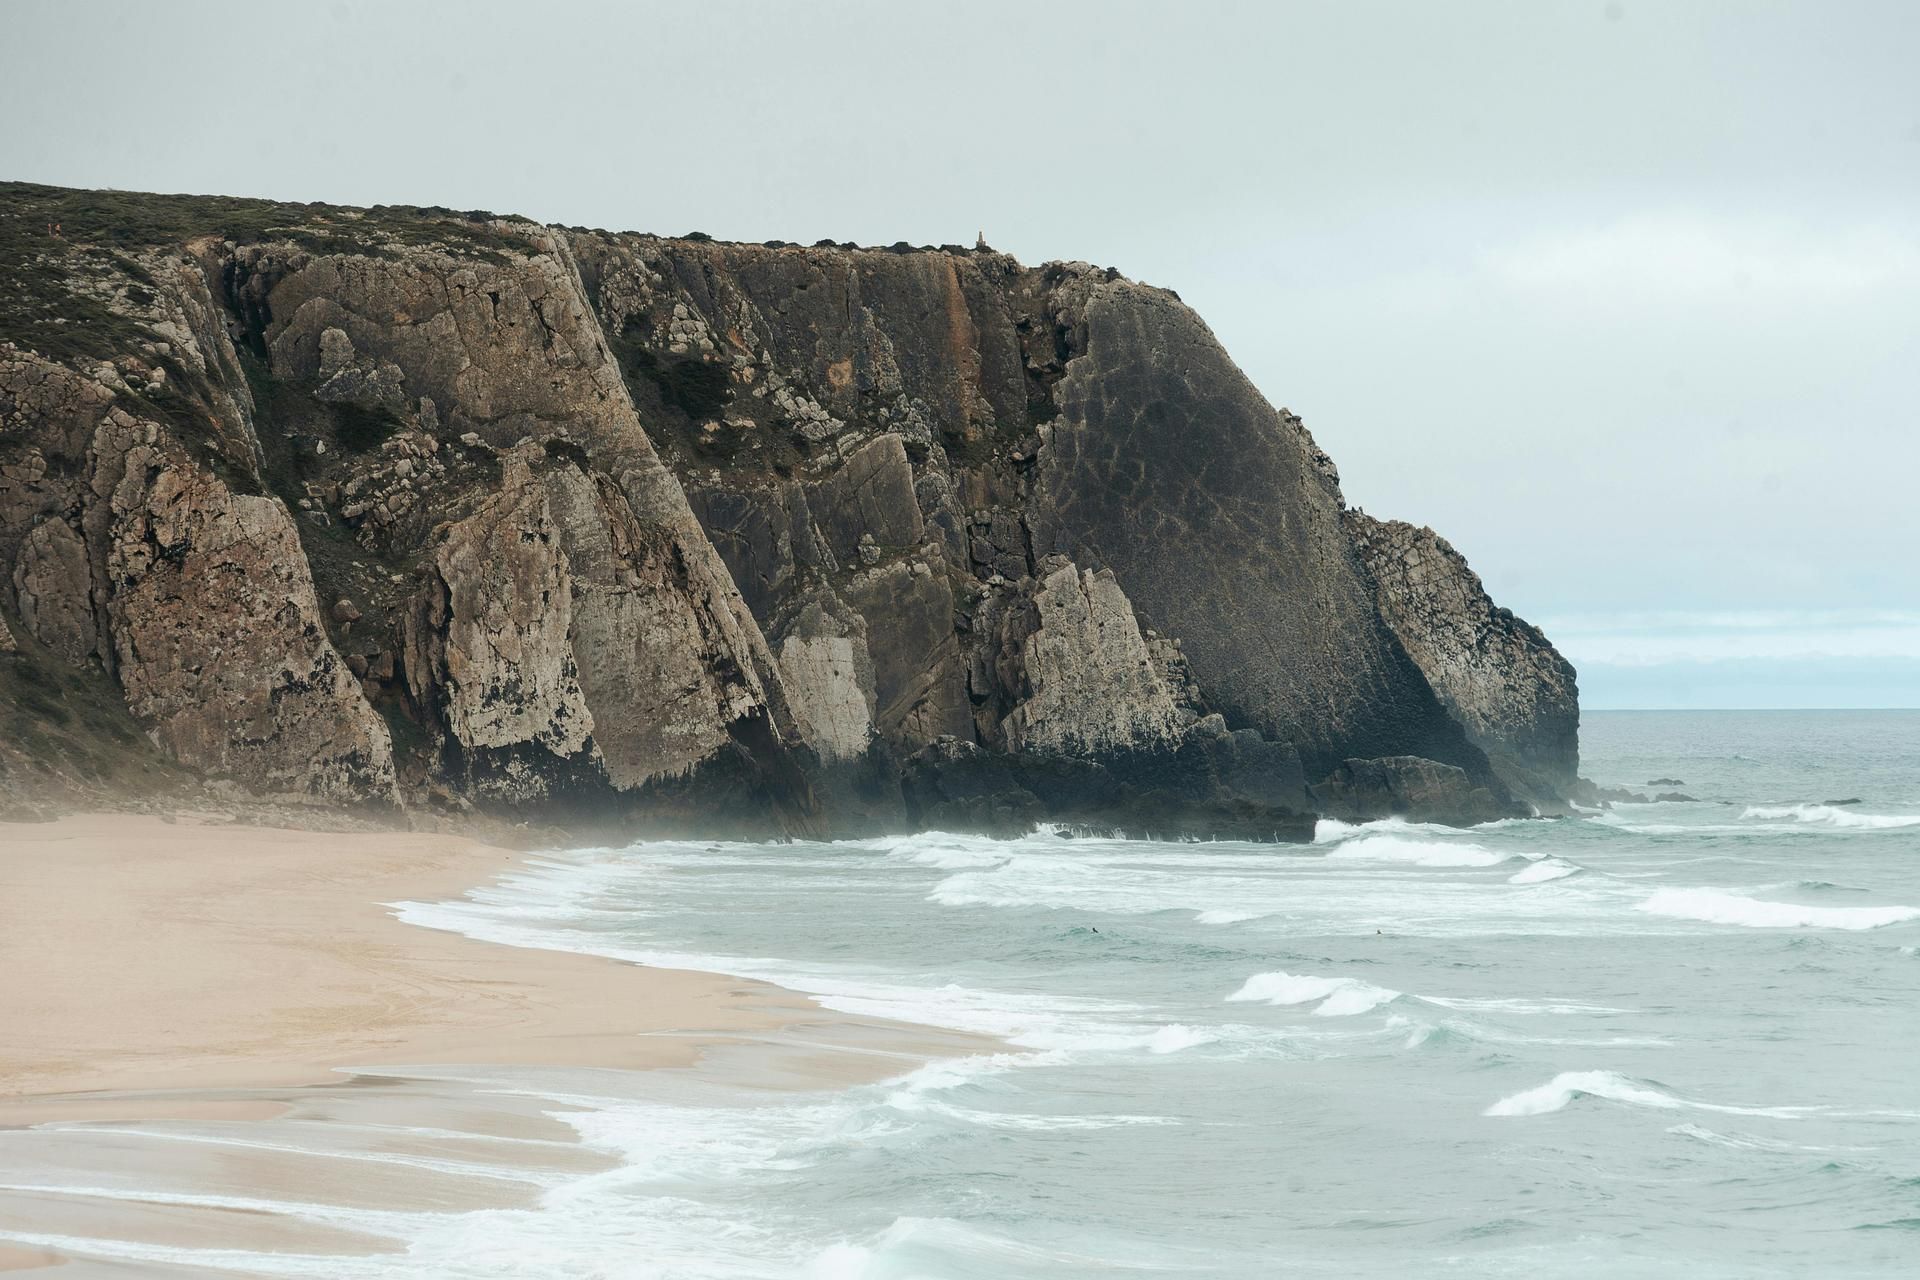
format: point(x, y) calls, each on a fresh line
point(215, 629)
point(496, 629)
point(1094, 684)
point(1409, 787)
point(677, 534)
point(1222, 521)
point(1496, 674)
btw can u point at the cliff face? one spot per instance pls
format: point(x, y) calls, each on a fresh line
point(443, 512)
point(1511, 691)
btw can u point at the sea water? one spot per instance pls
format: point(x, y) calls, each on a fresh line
point(1663, 1039)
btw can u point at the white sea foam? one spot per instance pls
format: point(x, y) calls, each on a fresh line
point(1558, 1092)
point(1718, 906)
point(1177, 1036)
point(955, 859)
point(1828, 815)
point(1028, 1021)
point(947, 851)
point(1421, 1030)
point(902, 1250)
point(1337, 997)
point(1419, 853)
point(1332, 830)
point(916, 1094)
point(1229, 917)
point(1512, 1004)
point(1542, 871)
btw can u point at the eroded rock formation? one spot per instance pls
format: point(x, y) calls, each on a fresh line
point(1496, 673)
point(443, 512)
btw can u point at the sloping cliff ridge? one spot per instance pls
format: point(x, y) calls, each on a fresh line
point(446, 514)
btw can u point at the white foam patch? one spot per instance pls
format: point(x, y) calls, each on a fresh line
point(1718, 906)
point(915, 1094)
point(1177, 1036)
point(1559, 1092)
point(902, 1251)
point(1415, 852)
point(1420, 1031)
point(1332, 830)
point(1542, 871)
point(948, 852)
point(1828, 815)
point(1337, 997)
point(1229, 917)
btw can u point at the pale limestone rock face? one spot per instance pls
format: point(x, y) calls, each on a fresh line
point(347, 380)
point(48, 414)
point(654, 654)
point(54, 589)
point(500, 348)
point(828, 672)
point(1096, 686)
point(662, 648)
point(215, 631)
point(822, 675)
point(506, 656)
point(559, 619)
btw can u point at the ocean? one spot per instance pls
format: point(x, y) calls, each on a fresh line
point(1666, 1039)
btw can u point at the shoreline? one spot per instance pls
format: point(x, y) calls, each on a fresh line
point(197, 970)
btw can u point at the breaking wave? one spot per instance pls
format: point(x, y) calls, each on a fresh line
point(1827, 815)
point(1542, 871)
point(1419, 853)
point(1717, 906)
point(1557, 1093)
point(1337, 997)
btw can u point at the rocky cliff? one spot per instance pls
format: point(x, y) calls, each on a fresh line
point(1498, 676)
point(443, 514)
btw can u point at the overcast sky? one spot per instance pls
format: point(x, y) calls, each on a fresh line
point(1623, 298)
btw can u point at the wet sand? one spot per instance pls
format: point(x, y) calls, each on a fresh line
point(216, 984)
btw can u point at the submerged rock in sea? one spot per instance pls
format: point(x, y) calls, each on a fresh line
point(685, 535)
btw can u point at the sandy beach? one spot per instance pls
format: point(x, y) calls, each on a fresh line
point(194, 969)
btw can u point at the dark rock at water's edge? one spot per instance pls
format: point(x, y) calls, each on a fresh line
point(1674, 797)
point(1496, 674)
point(1585, 791)
point(1410, 787)
point(450, 517)
point(1665, 782)
point(1237, 786)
